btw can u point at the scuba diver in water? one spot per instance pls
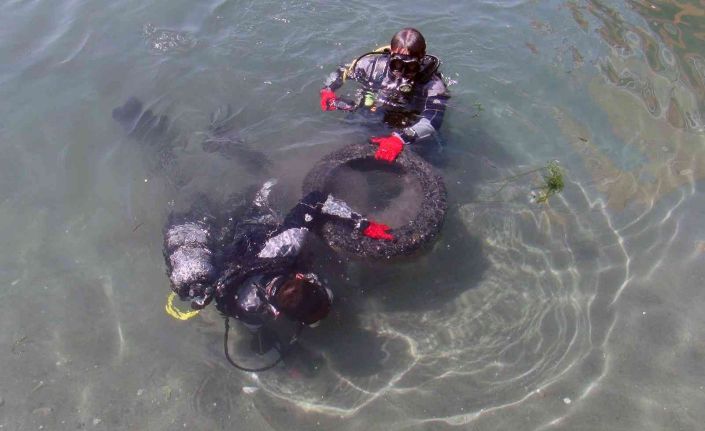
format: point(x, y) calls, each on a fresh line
point(403, 83)
point(249, 264)
point(244, 256)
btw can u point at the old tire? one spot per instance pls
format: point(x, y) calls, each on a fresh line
point(408, 238)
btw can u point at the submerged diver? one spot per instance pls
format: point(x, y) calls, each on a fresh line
point(249, 264)
point(402, 82)
point(245, 260)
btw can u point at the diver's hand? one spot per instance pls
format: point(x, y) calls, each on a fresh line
point(327, 100)
point(389, 147)
point(378, 231)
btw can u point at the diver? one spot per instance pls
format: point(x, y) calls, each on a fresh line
point(402, 83)
point(249, 265)
point(243, 256)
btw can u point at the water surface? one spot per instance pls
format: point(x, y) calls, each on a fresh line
point(581, 314)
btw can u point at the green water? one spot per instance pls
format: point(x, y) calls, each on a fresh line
point(583, 314)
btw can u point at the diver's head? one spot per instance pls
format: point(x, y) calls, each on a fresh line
point(409, 41)
point(408, 49)
point(303, 298)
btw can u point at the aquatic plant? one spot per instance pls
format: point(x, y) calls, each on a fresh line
point(553, 182)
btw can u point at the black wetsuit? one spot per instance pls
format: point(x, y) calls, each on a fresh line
point(415, 114)
point(242, 262)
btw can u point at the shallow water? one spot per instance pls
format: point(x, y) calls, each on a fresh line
point(581, 314)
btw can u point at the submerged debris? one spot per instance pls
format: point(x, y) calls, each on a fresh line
point(18, 343)
point(37, 387)
point(42, 411)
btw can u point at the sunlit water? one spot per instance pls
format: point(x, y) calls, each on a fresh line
point(581, 314)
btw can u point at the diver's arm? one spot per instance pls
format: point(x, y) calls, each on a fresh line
point(316, 207)
point(361, 71)
point(336, 79)
point(337, 208)
point(432, 113)
point(290, 237)
point(310, 212)
point(429, 123)
point(332, 207)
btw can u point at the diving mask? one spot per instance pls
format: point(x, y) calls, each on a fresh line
point(404, 65)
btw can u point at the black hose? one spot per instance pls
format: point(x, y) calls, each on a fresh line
point(265, 368)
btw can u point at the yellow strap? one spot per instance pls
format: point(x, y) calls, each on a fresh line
point(176, 313)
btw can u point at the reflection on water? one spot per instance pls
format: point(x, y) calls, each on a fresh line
point(658, 110)
point(163, 41)
point(535, 318)
point(581, 314)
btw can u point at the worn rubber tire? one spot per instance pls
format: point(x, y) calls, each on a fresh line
point(408, 238)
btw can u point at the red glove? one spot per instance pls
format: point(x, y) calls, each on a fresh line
point(389, 147)
point(378, 231)
point(327, 100)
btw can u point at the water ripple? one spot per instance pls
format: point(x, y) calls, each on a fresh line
point(526, 331)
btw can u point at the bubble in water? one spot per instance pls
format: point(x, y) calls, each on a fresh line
point(164, 41)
